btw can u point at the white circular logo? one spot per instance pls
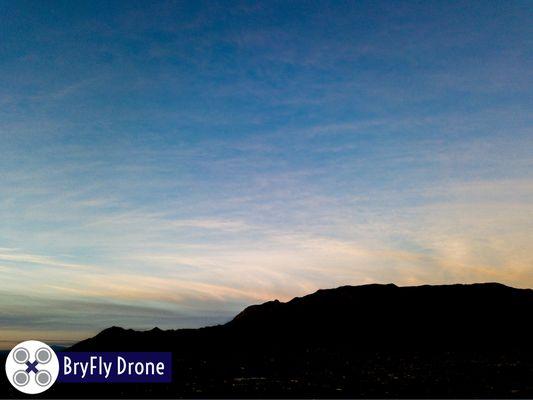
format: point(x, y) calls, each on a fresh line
point(32, 367)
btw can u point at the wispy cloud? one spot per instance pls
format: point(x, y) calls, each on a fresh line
point(20, 259)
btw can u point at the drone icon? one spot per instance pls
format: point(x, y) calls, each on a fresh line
point(32, 367)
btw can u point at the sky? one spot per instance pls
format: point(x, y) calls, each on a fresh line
point(169, 163)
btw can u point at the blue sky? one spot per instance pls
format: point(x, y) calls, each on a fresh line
point(168, 163)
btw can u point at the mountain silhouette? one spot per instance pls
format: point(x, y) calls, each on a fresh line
point(352, 341)
point(368, 316)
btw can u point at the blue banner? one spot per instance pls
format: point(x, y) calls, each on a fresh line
point(115, 367)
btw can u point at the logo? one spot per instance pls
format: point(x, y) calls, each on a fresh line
point(32, 367)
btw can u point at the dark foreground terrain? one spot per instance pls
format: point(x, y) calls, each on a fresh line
point(364, 341)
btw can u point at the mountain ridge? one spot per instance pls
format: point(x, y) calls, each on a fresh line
point(276, 302)
point(324, 301)
point(460, 340)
